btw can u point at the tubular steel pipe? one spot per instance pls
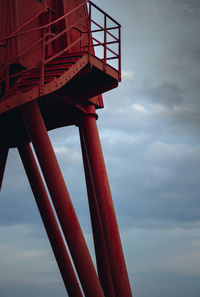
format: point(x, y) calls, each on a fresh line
point(61, 200)
point(49, 221)
point(3, 159)
point(105, 204)
point(98, 236)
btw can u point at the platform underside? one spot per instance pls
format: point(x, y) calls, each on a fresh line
point(60, 107)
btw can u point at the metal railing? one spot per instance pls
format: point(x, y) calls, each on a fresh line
point(94, 36)
point(104, 28)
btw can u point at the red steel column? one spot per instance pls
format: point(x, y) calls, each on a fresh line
point(61, 200)
point(49, 220)
point(105, 204)
point(99, 240)
point(3, 159)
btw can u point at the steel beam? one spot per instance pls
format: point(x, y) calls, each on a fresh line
point(105, 204)
point(49, 221)
point(98, 236)
point(61, 200)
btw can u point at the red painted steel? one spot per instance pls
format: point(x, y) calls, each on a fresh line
point(105, 204)
point(49, 221)
point(48, 54)
point(81, 26)
point(17, 12)
point(98, 236)
point(61, 200)
point(46, 45)
point(3, 159)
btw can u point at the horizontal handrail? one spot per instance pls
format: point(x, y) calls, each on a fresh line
point(103, 12)
point(103, 29)
point(21, 72)
point(47, 25)
point(13, 34)
point(49, 37)
point(111, 58)
point(21, 54)
point(100, 30)
point(102, 44)
point(63, 51)
point(64, 31)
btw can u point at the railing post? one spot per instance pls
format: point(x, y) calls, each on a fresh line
point(49, 46)
point(43, 57)
point(119, 53)
point(90, 30)
point(105, 42)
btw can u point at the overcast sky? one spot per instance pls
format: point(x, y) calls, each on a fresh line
point(150, 136)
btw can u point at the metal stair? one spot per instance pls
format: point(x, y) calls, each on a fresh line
point(69, 62)
point(52, 71)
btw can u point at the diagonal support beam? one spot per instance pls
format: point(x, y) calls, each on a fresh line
point(61, 200)
point(98, 236)
point(105, 204)
point(49, 221)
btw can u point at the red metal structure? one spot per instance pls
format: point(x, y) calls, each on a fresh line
point(56, 59)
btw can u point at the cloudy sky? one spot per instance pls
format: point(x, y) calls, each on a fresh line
point(150, 136)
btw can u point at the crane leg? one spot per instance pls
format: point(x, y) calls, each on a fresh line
point(49, 221)
point(105, 204)
point(98, 236)
point(61, 200)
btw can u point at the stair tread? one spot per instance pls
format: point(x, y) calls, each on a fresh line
point(47, 73)
point(52, 70)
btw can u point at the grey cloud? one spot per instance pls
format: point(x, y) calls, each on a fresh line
point(168, 94)
point(154, 185)
point(10, 288)
point(171, 284)
point(17, 204)
point(27, 264)
point(150, 138)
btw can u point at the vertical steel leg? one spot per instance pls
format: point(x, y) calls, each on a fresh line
point(61, 199)
point(49, 220)
point(105, 205)
point(3, 159)
point(99, 241)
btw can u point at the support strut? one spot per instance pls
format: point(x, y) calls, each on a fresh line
point(61, 200)
point(98, 236)
point(49, 221)
point(105, 204)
